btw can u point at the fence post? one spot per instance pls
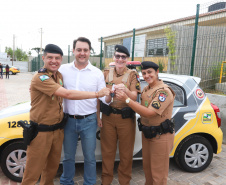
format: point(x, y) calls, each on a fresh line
point(194, 40)
point(39, 56)
point(133, 44)
point(101, 53)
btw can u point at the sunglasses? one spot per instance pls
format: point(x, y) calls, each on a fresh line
point(123, 57)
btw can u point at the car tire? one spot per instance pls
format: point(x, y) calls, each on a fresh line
point(194, 154)
point(13, 161)
point(10, 72)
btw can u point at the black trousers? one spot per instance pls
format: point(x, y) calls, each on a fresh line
point(7, 74)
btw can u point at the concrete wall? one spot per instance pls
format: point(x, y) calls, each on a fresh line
point(220, 101)
point(22, 65)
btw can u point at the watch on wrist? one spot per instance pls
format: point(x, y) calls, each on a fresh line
point(127, 100)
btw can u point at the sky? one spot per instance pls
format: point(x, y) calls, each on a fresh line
point(62, 21)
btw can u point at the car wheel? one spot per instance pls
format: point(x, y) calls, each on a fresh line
point(194, 154)
point(10, 72)
point(13, 161)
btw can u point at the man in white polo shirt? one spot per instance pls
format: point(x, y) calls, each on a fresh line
point(83, 76)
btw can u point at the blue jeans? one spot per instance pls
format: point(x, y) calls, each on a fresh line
point(86, 129)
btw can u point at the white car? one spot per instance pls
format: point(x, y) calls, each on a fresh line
point(197, 130)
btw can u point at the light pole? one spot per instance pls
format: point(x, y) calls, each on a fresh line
point(41, 43)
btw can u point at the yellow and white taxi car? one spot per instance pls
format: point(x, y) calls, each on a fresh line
point(197, 130)
point(12, 70)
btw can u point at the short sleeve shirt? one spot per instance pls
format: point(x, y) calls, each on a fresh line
point(159, 99)
point(132, 82)
point(46, 108)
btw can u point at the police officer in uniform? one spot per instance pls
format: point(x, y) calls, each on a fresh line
point(46, 115)
point(157, 128)
point(118, 120)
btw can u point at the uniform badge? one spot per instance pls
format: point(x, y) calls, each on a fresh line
point(61, 83)
point(138, 78)
point(42, 70)
point(163, 92)
point(146, 103)
point(162, 97)
point(156, 104)
point(138, 86)
point(43, 77)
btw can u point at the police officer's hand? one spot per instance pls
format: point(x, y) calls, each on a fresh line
point(121, 96)
point(99, 122)
point(104, 92)
point(120, 87)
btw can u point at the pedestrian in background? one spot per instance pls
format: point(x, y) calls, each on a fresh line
point(118, 123)
point(157, 129)
point(1, 71)
point(7, 71)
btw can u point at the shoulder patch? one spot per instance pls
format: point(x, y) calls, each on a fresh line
point(42, 70)
point(156, 104)
point(163, 92)
point(60, 81)
point(162, 96)
point(138, 86)
point(43, 77)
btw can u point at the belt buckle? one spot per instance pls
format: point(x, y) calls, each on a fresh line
point(74, 117)
point(114, 111)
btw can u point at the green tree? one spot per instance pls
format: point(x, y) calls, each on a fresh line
point(29, 53)
point(9, 51)
point(171, 36)
point(37, 50)
point(19, 54)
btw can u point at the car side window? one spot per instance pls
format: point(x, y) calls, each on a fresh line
point(179, 91)
point(180, 94)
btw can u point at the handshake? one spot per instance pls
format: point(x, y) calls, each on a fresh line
point(106, 91)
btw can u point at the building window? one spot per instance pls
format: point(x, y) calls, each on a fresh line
point(157, 47)
point(109, 52)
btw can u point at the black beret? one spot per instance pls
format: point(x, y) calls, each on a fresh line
point(51, 48)
point(149, 64)
point(122, 49)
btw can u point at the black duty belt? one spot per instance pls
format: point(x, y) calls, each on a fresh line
point(150, 132)
point(79, 117)
point(116, 111)
point(47, 128)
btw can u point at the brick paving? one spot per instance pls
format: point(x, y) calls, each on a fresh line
point(16, 90)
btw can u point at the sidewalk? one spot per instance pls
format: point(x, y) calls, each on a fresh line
point(16, 90)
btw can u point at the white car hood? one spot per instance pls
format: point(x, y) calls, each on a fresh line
point(15, 110)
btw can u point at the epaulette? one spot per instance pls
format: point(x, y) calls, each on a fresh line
point(42, 70)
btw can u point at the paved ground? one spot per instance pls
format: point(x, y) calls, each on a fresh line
point(16, 90)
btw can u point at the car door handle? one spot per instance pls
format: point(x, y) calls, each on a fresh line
point(189, 116)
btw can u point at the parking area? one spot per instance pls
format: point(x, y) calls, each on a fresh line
point(16, 90)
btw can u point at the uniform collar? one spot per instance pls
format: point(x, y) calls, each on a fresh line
point(124, 71)
point(158, 83)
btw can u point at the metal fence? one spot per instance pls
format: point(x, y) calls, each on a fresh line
point(194, 45)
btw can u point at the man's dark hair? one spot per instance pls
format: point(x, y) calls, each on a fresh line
point(82, 39)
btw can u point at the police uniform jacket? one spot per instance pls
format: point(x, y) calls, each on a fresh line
point(160, 99)
point(46, 108)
